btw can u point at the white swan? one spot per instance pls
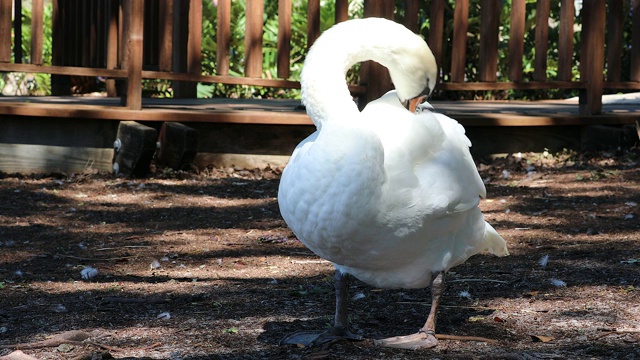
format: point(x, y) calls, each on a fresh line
point(389, 196)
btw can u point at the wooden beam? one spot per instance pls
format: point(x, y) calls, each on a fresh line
point(133, 56)
point(411, 10)
point(565, 41)
point(165, 58)
point(36, 31)
point(313, 21)
point(223, 37)
point(5, 30)
point(113, 50)
point(516, 39)
point(459, 50)
point(542, 40)
point(284, 38)
point(342, 10)
point(489, 22)
point(436, 29)
point(592, 56)
point(194, 43)
point(253, 39)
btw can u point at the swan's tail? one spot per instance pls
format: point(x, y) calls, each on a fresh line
point(495, 244)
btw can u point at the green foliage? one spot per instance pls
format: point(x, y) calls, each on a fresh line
point(40, 84)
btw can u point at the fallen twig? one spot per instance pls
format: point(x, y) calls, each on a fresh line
point(479, 280)
point(465, 338)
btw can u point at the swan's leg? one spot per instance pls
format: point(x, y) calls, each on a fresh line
point(425, 337)
point(339, 330)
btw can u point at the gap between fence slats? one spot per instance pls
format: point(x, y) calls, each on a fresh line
point(313, 21)
point(284, 38)
point(253, 39)
point(223, 37)
point(459, 50)
point(489, 22)
point(565, 40)
point(17, 29)
point(542, 40)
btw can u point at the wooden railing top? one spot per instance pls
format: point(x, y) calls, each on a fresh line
point(176, 51)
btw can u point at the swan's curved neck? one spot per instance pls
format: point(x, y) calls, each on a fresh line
point(324, 89)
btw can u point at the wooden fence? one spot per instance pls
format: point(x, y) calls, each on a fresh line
point(136, 39)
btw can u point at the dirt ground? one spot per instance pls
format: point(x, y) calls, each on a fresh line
point(201, 266)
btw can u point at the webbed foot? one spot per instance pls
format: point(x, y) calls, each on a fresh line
point(419, 340)
point(318, 338)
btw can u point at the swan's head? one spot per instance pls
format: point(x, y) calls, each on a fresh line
point(414, 71)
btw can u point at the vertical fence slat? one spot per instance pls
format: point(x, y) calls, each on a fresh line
point(194, 44)
point(313, 21)
point(133, 13)
point(592, 56)
point(253, 39)
point(5, 30)
point(459, 50)
point(542, 40)
point(411, 10)
point(635, 39)
point(489, 22)
point(223, 37)
point(373, 75)
point(516, 39)
point(36, 31)
point(615, 22)
point(284, 38)
point(165, 60)
point(565, 41)
point(342, 10)
point(436, 29)
point(112, 43)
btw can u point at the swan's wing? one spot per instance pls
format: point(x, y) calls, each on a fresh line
point(429, 167)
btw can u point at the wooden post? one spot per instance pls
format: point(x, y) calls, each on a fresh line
point(516, 39)
point(36, 31)
point(436, 29)
point(284, 38)
point(373, 75)
point(223, 37)
point(253, 39)
point(165, 61)
point(459, 51)
point(313, 21)
point(565, 42)
point(342, 10)
point(592, 56)
point(134, 17)
point(615, 21)
point(542, 40)
point(5, 30)
point(489, 22)
point(113, 40)
point(411, 15)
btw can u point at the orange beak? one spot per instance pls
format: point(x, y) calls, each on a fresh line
point(413, 103)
